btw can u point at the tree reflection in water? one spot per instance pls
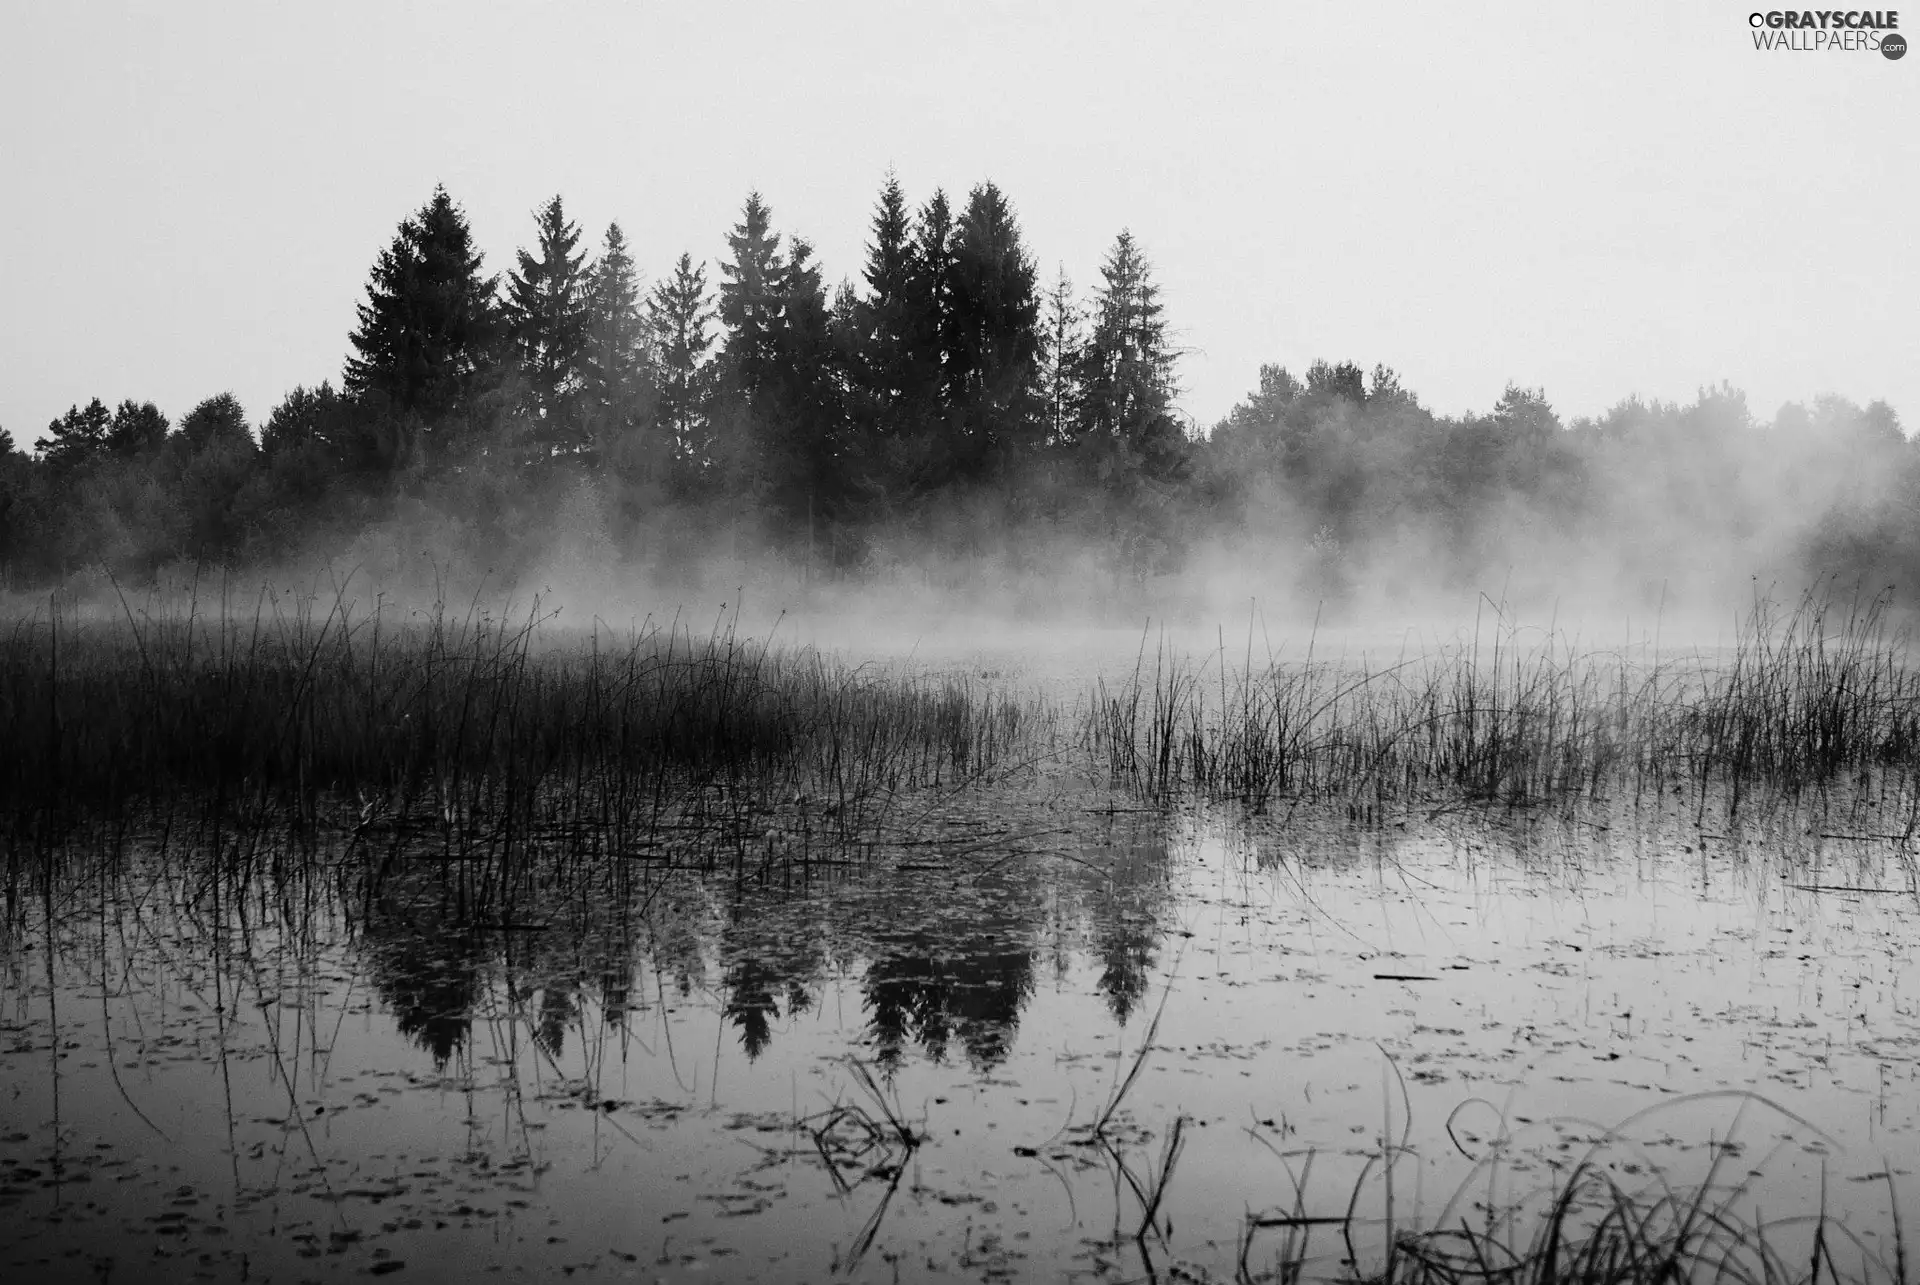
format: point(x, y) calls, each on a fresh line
point(946, 965)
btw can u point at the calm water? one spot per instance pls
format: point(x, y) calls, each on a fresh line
point(294, 1070)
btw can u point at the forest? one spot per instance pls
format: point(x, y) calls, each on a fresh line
point(954, 416)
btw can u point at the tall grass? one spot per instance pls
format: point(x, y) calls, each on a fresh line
point(1800, 699)
point(476, 726)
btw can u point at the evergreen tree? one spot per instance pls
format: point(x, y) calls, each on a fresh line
point(782, 366)
point(77, 438)
point(618, 383)
point(547, 313)
point(137, 429)
point(884, 318)
point(426, 333)
point(802, 422)
point(1126, 371)
point(931, 305)
point(1062, 330)
point(753, 298)
point(679, 320)
point(993, 350)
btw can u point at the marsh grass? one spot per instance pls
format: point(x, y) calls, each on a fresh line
point(1588, 1226)
point(1802, 699)
point(471, 729)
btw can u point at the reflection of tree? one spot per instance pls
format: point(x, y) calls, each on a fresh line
point(750, 1004)
point(428, 975)
point(768, 957)
point(932, 991)
point(556, 1010)
point(1126, 924)
point(1125, 945)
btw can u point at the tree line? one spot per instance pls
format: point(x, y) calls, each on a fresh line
point(949, 401)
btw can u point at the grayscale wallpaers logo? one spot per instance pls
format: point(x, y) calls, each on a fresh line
point(1828, 31)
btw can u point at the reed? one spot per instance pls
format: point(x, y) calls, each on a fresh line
point(1802, 699)
point(470, 727)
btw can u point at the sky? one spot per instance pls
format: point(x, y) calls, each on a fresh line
point(1595, 200)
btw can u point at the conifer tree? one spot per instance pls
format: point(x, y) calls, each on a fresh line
point(679, 320)
point(1062, 334)
point(992, 354)
point(618, 382)
point(931, 296)
point(884, 317)
point(753, 298)
point(1126, 369)
point(548, 316)
point(77, 438)
point(137, 429)
point(782, 364)
point(427, 331)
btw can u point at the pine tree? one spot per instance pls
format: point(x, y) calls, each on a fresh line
point(1062, 333)
point(426, 333)
point(548, 316)
point(137, 429)
point(679, 317)
point(77, 438)
point(1126, 370)
point(618, 383)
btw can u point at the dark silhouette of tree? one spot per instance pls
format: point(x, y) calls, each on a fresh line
point(1126, 373)
point(548, 317)
point(889, 368)
point(992, 357)
point(931, 294)
point(219, 421)
point(138, 429)
point(1062, 334)
point(781, 364)
point(427, 332)
point(77, 438)
point(753, 299)
point(885, 316)
point(679, 325)
point(619, 389)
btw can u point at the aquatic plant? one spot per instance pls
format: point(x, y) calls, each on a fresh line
point(1512, 716)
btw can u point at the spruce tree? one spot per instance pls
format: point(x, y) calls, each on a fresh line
point(427, 331)
point(993, 350)
point(787, 421)
point(1062, 334)
point(548, 316)
point(802, 421)
point(884, 317)
point(931, 298)
point(753, 298)
point(1126, 370)
point(679, 320)
point(618, 384)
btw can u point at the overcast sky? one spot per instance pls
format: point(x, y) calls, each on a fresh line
point(1600, 200)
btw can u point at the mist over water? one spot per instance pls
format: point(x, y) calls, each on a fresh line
point(748, 780)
